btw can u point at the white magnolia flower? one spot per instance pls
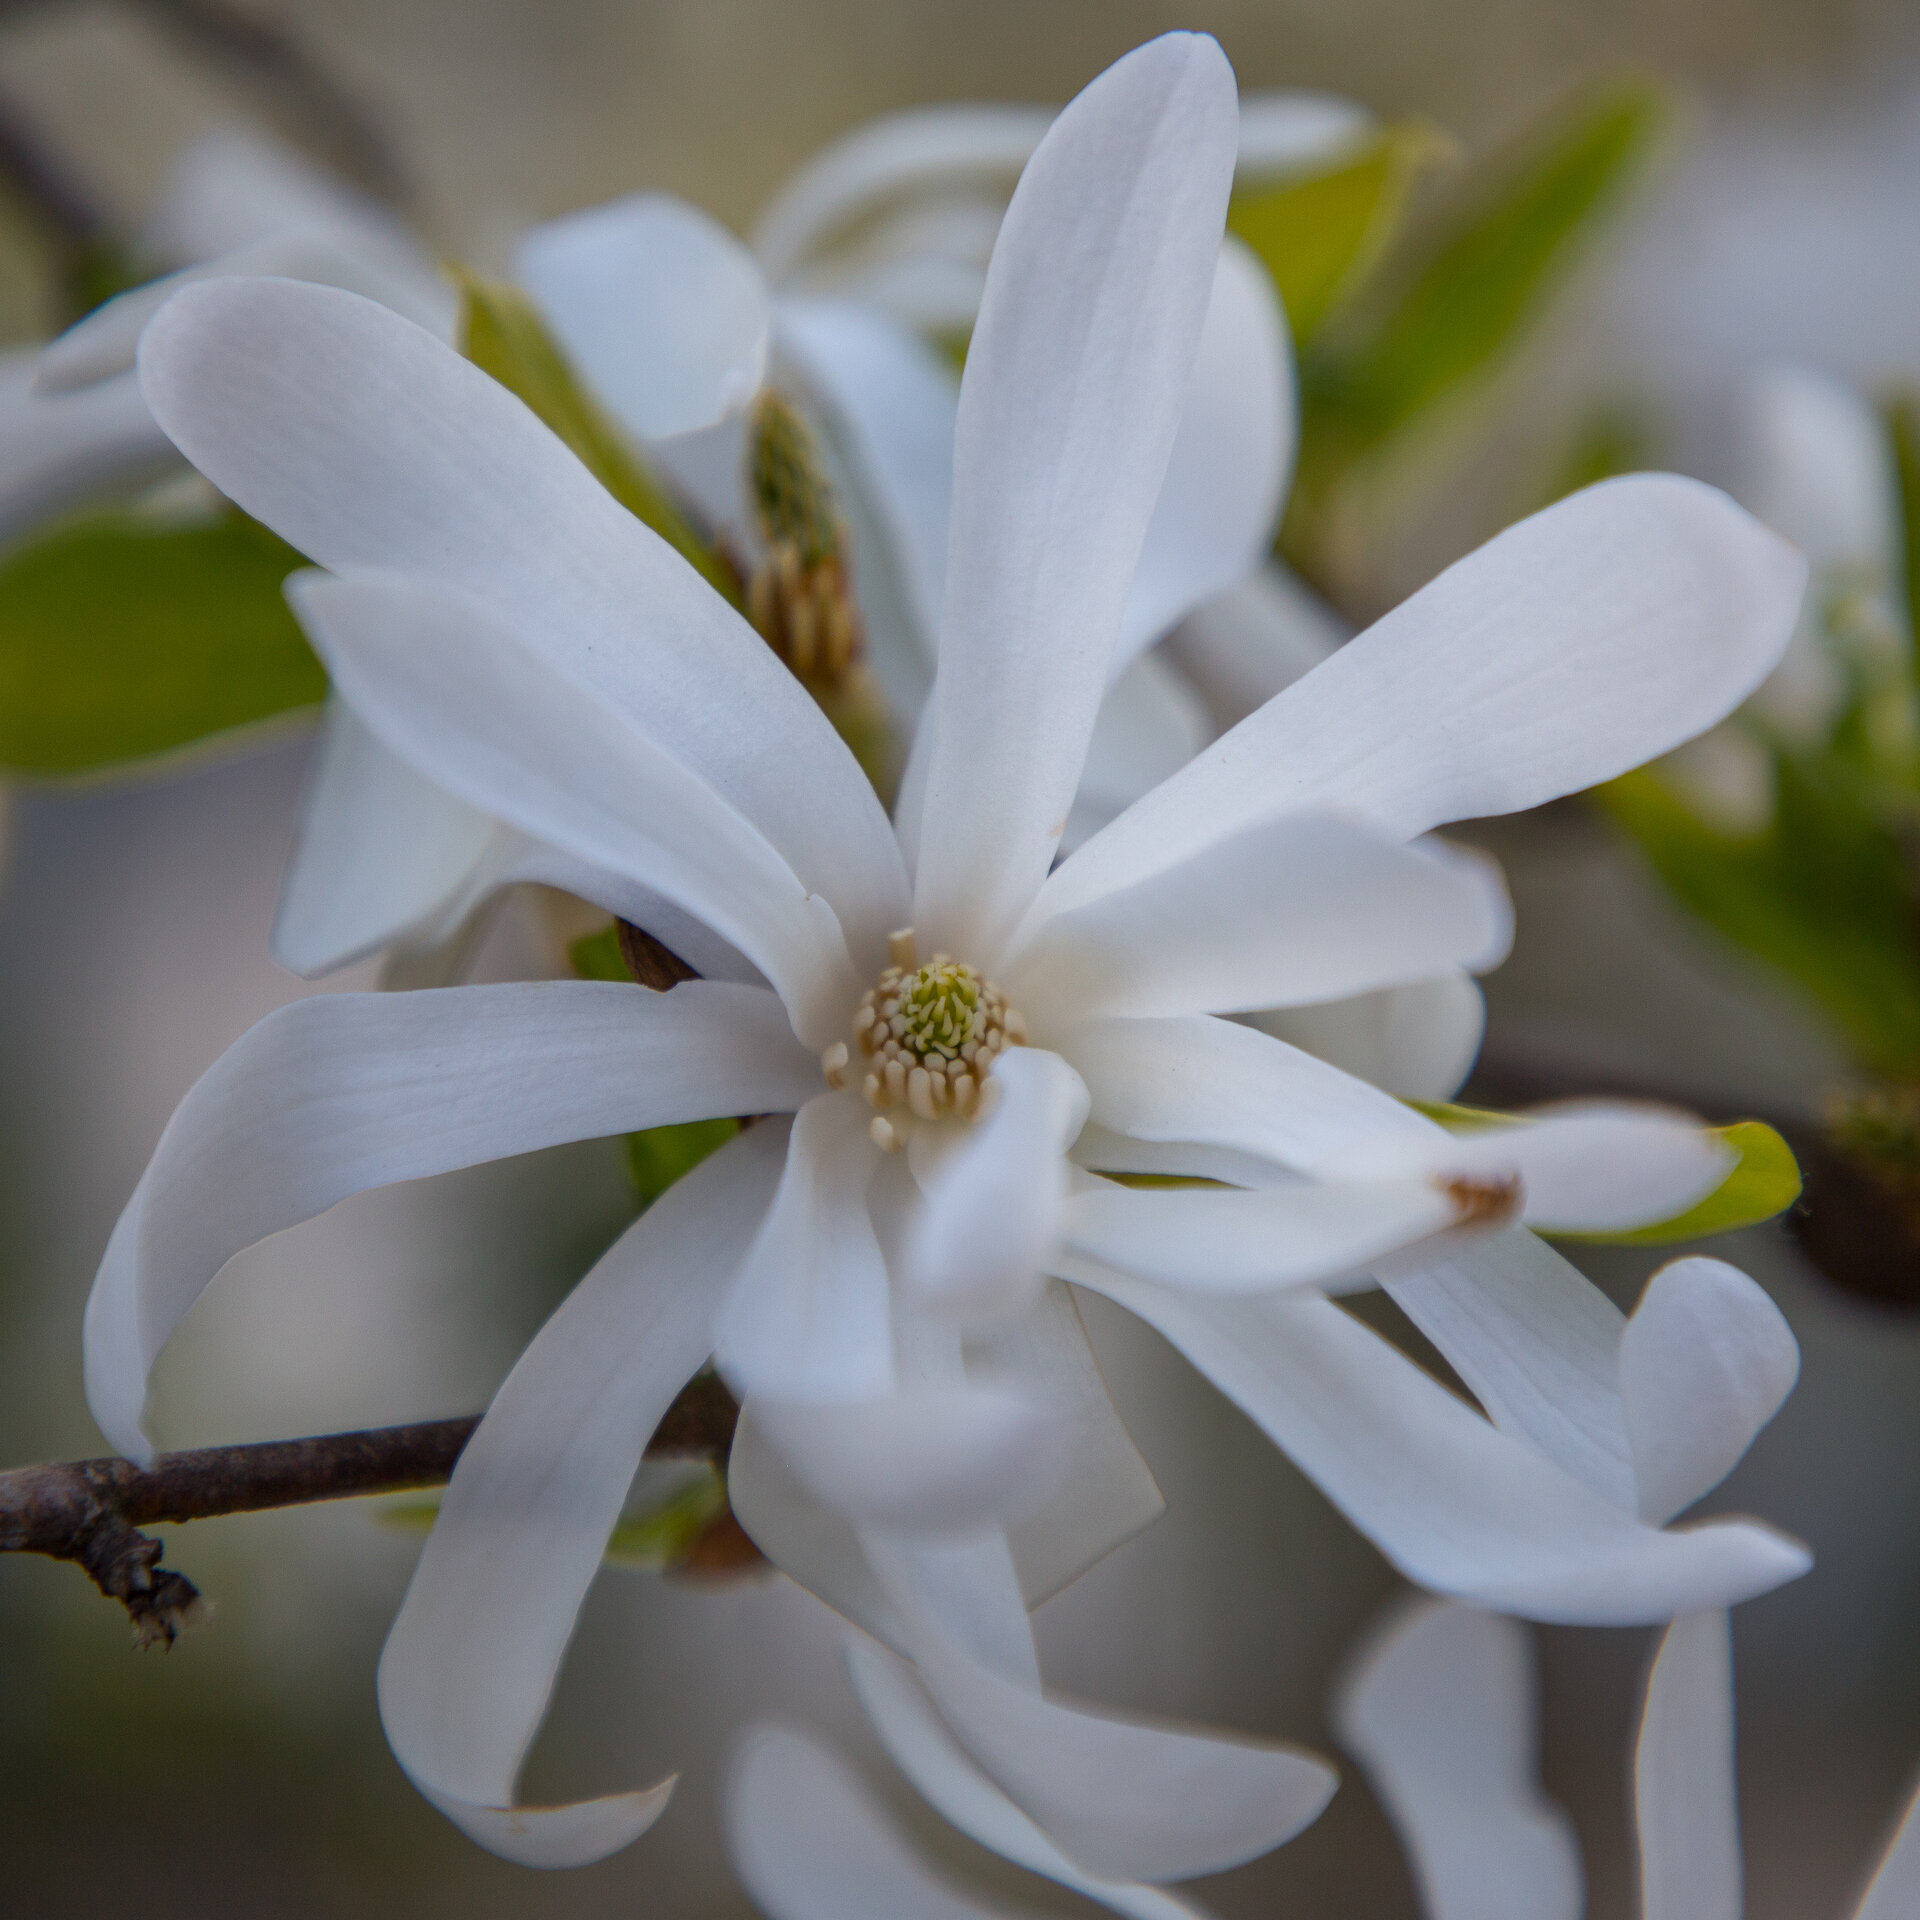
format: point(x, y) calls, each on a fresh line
point(502, 627)
point(1814, 460)
point(1440, 1711)
point(73, 426)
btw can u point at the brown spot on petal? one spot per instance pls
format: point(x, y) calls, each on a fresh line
point(1483, 1203)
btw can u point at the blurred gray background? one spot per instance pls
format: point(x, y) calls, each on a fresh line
point(244, 1774)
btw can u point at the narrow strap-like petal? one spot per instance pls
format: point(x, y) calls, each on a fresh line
point(371, 446)
point(1227, 474)
point(62, 450)
point(1705, 1362)
point(1418, 1042)
point(992, 1214)
point(1684, 1801)
point(464, 700)
point(332, 1095)
point(1440, 1709)
point(1569, 648)
point(473, 1654)
point(1073, 389)
point(921, 149)
point(1460, 1507)
point(1538, 1345)
point(662, 311)
point(809, 1841)
point(922, 1747)
point(1228, 1085)
point(810, 1317)
point(1302, 1234)
point(380, 850)
point(1302, 907)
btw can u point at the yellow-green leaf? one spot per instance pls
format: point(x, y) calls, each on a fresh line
point(1765, 1180)
point(1485, 272)
point(501, 333)
point(1319, 237)
point(122, 638)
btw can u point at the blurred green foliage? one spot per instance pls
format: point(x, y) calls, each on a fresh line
point(1404, 319)
point(1320, 237)
point(122, 638)
point(502, 334)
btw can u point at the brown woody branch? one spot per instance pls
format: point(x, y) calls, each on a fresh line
point(90, 1511)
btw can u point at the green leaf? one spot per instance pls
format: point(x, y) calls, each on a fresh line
point(122, 638)
point(596, 956)
point(1484, 276)
point(501, 333)
point(1822, 894)
point(658, 1156)
point(1765, 1181)
point(1903, 428)
point(1321, 236)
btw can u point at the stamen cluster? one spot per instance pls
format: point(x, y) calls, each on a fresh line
point(929, 1035)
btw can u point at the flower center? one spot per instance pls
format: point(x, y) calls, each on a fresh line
point(928, 1037)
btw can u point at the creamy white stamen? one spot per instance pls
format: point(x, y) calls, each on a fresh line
point(927, 1037)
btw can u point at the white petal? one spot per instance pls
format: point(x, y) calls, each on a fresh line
point(231, 189)
point(332, 1095)
point(370, 446)
point(937, 1460)
point(1894, 1892)
point(661, 310)
point(1227, 473)
point(809, 1318)
point(1817, 468)
point(470, 1663)
point(1441, 1711)
point(962, 1593)
point(1418, 1042)
point(809, 1842)
point(104, 343)
point(1458, 1506)
point(1705, 1362)
point(1106, 1492)
point(1224, 1241)
point(468, 703)
point(379, 849)
point(808, 1541)
point(574, 1834)
point(1068, 407)
point(992, 1217)
point(1683, 1791)
point(1537, 1343)
point(1216, 1081)
point(1575, 645)
point(1149, 726)
point(1297, 908)
point(1254, 640)
point(904, 153)
point(60, 450)
point(1289, 131)
point(920, 1745)
point(1599, 1167)
point(890, 402)
point(1124, 1798)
